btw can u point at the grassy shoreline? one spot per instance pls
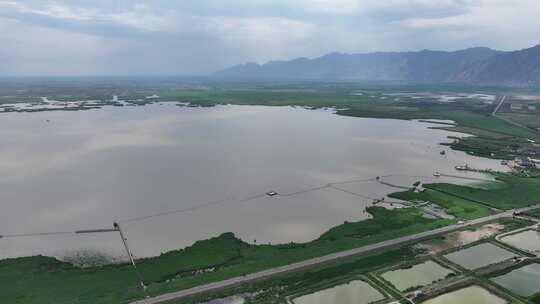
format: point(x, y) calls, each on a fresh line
point(44, 280)
point(221, 257)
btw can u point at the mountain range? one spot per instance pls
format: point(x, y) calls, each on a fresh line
point(479, 65)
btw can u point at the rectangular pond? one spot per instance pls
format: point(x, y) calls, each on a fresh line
point(227, 300)
point(479, 256)
point(355, 292)
point(469, 295)
point(524, 281)
point(528, 240)
point(416, 276)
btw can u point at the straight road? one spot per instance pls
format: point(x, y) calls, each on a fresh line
point(503, 98)
point(212, 287)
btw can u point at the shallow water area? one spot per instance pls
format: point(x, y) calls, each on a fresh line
point(524, 281)
point(472, 295)
point(72, 170)
point(528, 240)
point(416, 276)
point(479, 256)
point(228, 300)
point(355, 292)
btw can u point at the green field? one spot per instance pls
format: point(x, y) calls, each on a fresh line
point(42, 279)
point(514, 192)
point(49, 281)
point(535, 213)
point(494, 137)
point(531, 120)
point(35, 280)
point(458, 207)
point(46, 280)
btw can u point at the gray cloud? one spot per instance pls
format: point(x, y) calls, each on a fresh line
point(191, 37)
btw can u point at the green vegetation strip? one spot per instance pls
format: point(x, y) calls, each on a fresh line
point(458, 207)
point(515, 192)
point(494, 137)
point(45, 280)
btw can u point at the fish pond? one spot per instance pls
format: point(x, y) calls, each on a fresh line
point(528, 240)
point(469, 295)
point(416, 276)
point(355, 292)
point(479, 256)
point(524, 281)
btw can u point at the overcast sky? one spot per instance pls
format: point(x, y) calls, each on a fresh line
point(105, 37)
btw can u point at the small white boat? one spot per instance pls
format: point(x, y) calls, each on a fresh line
point(271, 193)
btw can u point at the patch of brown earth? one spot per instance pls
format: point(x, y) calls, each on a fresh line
point(460, 238)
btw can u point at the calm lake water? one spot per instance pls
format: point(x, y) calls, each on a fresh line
point(418, 275)
point(355, 292)
point(472, 295)
point(479, 256)
point(524, 281)
point(64, 171)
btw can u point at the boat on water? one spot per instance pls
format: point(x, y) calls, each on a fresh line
point(271, 193)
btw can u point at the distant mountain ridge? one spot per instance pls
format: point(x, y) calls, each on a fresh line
point(474, 65)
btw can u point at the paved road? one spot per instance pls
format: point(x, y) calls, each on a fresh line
point(499, 105)
point(212, 287)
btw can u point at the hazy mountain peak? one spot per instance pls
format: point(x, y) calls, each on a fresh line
point(471, 65)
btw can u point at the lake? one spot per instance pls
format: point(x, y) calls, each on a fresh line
point(65, 171)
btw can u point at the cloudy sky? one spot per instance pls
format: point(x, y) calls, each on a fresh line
point(187, 37)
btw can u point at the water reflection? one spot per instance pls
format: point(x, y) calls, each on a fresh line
point(73, 170)
point(355, 292)
point(528, 240)
point(473, 294)
point(418, 275)
point(479, 256)
point(524, 281)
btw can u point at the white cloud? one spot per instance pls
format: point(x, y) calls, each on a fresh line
point(366, 7)
point(267, 37)
point(159, 36)
point(28, 49)
point(502, 24)
point(335, 6)
point(141, 17)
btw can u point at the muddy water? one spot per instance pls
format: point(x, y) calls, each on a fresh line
point(524, 281)
point(64, 171)
point(479, 256)
point(472, 295)
point(528, 240)
point(356, 292)
point(418, 275)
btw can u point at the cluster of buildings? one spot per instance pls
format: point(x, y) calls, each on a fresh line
point(521, 107)
point(526, 162)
